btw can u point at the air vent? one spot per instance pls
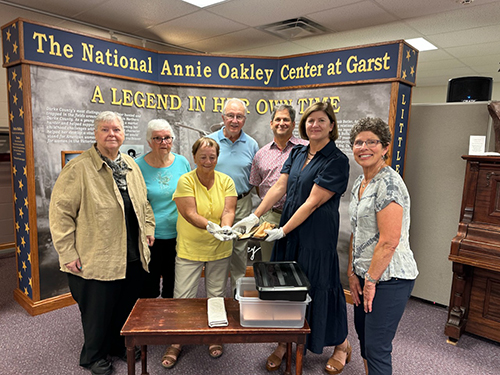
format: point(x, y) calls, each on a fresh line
point(295, 28)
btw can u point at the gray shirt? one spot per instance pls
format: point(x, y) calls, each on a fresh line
point(386, 187)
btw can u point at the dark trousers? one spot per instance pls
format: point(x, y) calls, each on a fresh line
point(376, 329)
point(104, 308)
point(161, 269)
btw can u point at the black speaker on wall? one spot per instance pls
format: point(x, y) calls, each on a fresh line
point(469, 89)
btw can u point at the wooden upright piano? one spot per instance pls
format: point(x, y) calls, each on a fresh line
point(475, 253)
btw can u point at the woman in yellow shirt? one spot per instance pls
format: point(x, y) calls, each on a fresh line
point(206, 201)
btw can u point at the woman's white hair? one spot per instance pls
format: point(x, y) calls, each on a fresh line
point(158, 125)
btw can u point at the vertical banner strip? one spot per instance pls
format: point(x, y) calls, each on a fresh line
point(401, 128)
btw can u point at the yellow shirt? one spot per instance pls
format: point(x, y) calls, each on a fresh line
point(194, 243)
point(87, 218)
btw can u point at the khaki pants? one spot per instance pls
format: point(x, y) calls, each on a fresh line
point(240, 248)
point(188, 273)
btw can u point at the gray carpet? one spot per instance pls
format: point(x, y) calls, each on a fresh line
point(50, 344)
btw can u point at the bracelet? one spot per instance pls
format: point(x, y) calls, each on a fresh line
point(370, 279)
point(352, 274)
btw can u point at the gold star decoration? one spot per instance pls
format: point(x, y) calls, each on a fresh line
point(31, 283)
point(21, 112)
point(24, 266)
point(17, 226)
point(14, 170)
point(26, 291)
point(14, 98)
point(14, 25)
point(15, 47)
point(29, 257)
point(404, 74)
point(14, 75)
point(19, 275)
point(26, 202)
point(25, 172)
point(21, 213)
point(26, 228)
point(412, 70)
point(18, 249)
point(8, 34)
point(7, 58)
point(9, 86)
point(21, 184)
point(15, 198)
point(20, 84)
point(23, 242)
point(408, 55)
point(11, 116)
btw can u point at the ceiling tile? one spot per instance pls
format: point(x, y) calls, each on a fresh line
point(466, 37)
point(352, 16)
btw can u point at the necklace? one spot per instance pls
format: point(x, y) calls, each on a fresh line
point(365, 182)
point(310, 153)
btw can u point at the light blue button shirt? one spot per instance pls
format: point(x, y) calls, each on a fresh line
point(235, 159)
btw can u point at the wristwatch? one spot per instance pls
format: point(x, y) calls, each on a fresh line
point(370, 279)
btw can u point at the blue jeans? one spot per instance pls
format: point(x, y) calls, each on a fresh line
point(376, 329)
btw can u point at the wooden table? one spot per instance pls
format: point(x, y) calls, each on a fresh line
point(184, 321)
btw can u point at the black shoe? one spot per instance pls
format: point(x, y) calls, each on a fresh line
point(101, 367)
point(123, 356)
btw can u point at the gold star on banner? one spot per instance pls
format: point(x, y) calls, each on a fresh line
point(9, 86)
point(26, 202)
point(30, 282)
point(19, 275)
point(17, 226)
point(23, 242)
point(21, 184)
point(18, 250)
point(404, 74)
point(20, 85)
point(26, 291)
point(14, 46)
point(26, 228)
point(7, 58)
point(21, 112)
point(24, 266)
point(14, 75)
point(14, 170)
point(25, 172)
point(14, 98)
point(21, 213)
point(14, 25)
point(29, 257)
point(412, 70)
point(11, 117)
point(408, 55)
point(8, 35)
point(15, 198)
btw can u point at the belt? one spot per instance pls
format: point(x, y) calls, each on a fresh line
point(243, 195)
point(277, 210)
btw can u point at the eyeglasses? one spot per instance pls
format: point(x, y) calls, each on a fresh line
point(370, 143)
point(167, 139)
point(232, 116)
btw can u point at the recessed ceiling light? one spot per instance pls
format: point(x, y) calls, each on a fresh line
point(203, 3)
point(421, 44)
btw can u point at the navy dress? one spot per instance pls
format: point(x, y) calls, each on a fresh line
point(313, 244)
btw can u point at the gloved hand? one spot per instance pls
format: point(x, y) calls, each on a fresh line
point(245, 224)
point(274, 234)
point(213, 228)
point(228, 233)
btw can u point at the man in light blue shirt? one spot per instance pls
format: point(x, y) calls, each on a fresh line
point(237, 150)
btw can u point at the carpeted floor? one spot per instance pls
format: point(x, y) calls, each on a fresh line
point(50, 344)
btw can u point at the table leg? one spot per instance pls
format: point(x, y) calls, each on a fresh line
point(288, 369)
point(144, 359)
point(299, 352)
point(131, 359)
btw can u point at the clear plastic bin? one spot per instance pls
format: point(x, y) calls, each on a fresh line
point(255, 312)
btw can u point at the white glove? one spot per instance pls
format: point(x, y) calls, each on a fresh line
point(228, 233)
point(274, 234)
point(245, 224)
point(213, 228)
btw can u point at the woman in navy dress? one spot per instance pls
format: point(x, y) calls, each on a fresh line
point(313, 178)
